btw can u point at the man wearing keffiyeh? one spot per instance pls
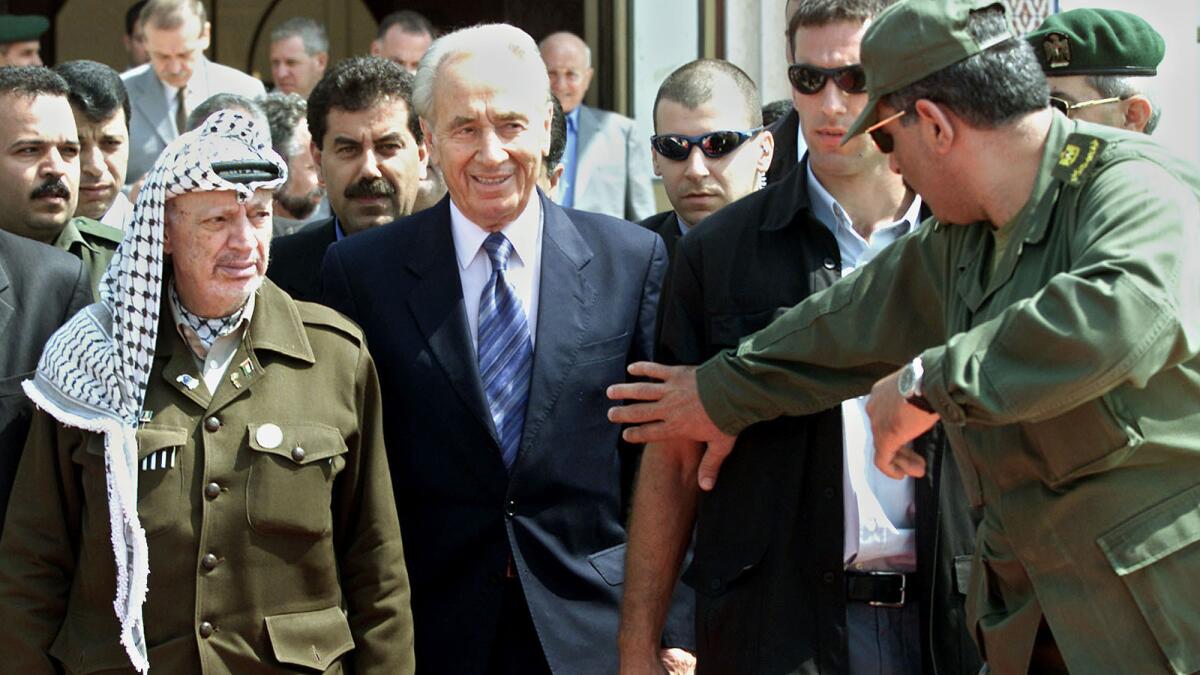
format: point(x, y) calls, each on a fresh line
point(207, 458)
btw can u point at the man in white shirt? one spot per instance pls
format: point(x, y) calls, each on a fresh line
point(178, 78)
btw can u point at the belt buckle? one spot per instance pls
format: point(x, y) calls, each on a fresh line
point(903, 590)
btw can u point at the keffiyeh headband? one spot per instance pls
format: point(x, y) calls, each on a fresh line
point(94, 371)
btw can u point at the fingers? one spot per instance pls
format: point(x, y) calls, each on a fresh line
point(650, 369)
point(637, 413)
point(647, 433)
point(900, 463)
point(714, 457)
point(636, 391)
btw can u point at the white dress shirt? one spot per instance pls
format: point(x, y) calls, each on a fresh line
point(524, 265)
point(119, 213)
point(880, 512)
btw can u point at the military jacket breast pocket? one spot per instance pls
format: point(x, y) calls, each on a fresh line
point(160, 474)
point(289, 489)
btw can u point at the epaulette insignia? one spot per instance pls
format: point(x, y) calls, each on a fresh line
point(1077, 157)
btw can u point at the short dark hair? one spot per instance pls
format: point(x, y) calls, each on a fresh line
point(558, 135)
point(32, 81)
point(691, 85)
point(131, 16)
point(989, 89)
point(357, 84)
point(1117, 86)
point(217, 102)
point(311, 34)
point(816, 13)
point(776, 110)
point(408, 21)
point(95, 90)
point(284, 112)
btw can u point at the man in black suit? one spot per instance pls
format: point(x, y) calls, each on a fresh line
point(40, 288)
point(807, 559)
point(497, 319)
point(709, 146)
point(371, 156)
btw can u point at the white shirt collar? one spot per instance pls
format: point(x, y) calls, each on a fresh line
point(523, 232)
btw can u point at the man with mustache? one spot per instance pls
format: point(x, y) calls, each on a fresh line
point(821, 562)
point(370, 155)
point(39, 168)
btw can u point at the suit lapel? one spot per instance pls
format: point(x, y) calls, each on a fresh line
point(589, 124)
point(564, 302)
point(436, 304)
point(153, 103)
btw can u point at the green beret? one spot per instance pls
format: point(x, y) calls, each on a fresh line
point(17, 28)
point(1097, 42)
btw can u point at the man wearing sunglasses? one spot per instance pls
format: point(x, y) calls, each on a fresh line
point(1098, 63)
point(807, 558)
point(1049, 316)
point(709, 148)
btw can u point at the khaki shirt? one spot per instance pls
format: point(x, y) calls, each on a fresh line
point(92, 242)
point(1067, 376)
point(274, 544)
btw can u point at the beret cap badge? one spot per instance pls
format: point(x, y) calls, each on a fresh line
point(1058, 50)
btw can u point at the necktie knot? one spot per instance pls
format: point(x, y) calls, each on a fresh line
point(499, 249)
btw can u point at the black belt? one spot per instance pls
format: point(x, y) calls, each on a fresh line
point(877, 589)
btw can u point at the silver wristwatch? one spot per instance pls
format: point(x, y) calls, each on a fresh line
point(910, 385)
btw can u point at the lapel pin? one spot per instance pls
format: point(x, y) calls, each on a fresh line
point(188, 381)
point(247, 367)
point(237, 382)
point(146, 416)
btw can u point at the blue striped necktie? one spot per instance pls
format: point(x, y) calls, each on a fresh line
point(505, 350)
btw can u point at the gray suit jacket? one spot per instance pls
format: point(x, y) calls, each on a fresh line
point(612, 174)
point(151, 125)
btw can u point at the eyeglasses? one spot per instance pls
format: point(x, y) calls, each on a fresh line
point(883, 140)
point(1066, 107)
point(809, 80)
point(714, 144)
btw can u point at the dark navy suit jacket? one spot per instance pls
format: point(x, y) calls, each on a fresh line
point(561, 512)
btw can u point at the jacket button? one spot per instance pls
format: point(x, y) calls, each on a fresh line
point(829, 263)
point(206, 629)
point(828, 577)
point(211, 424)
point(510, 508)
point(827, 493)
point(212, 491)
point(209, 562)
point(297, 454)
point(714, 585)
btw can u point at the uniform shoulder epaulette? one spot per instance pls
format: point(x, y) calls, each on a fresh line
point(313, 314)
point(1078, 158)
point(94, 229)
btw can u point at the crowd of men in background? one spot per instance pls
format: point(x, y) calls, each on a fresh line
point(943, 299)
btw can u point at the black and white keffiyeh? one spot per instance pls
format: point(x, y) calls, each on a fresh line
point(94, 371)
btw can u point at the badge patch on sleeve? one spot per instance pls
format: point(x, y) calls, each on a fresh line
point(1077, 157)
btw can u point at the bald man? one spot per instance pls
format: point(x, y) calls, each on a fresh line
point(606, 167)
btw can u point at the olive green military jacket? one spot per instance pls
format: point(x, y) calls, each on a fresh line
point(272, 548)
point(93, 242)
point(1068, 379)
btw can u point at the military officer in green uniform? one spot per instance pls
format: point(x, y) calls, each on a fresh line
point(1049, 316)
point(1099, 63)
point(208, 452)
point(19, 35)
point(39, 169)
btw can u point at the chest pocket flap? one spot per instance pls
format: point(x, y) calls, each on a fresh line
point(300, 443)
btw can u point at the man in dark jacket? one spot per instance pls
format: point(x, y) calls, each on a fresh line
point(807, 559)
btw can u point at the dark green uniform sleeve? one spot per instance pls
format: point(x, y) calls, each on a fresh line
point(1127, 307)
point(837, 343)
point(367, 536)
point(39, 547)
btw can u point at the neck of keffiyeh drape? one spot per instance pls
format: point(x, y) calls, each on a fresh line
point(94, 371)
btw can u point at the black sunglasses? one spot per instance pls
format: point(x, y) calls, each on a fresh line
point(810, 79)
point(883, 140)
point(714, 144)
